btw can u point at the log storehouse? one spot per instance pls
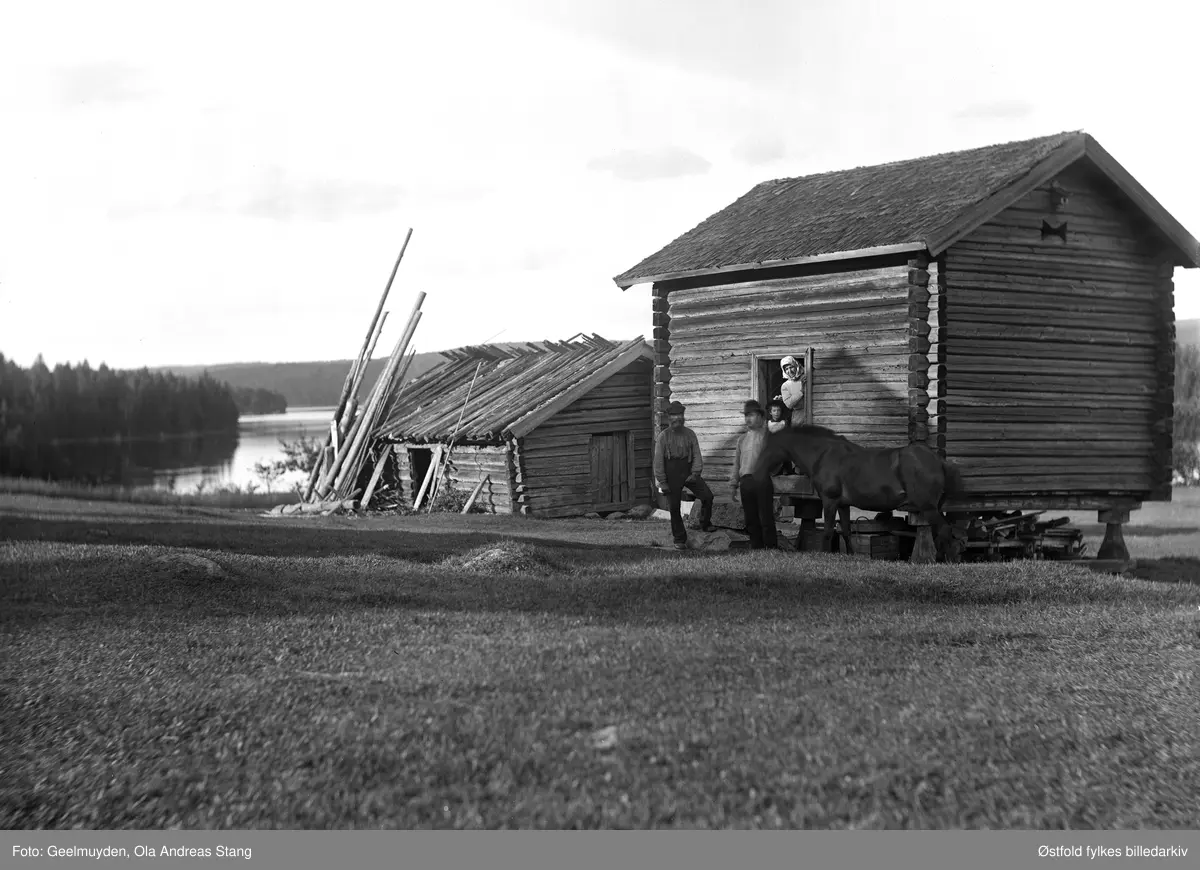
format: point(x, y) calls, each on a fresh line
point(1011, 306)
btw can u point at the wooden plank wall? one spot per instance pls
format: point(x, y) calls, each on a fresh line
point(1056, 350)
point(468, 465)
point(553, 467)
point(856, 322)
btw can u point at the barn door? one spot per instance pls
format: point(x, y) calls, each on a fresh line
point(611, 458)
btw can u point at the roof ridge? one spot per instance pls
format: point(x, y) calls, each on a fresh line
point(1065, 135)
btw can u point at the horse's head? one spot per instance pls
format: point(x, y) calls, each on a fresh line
point(776, 449)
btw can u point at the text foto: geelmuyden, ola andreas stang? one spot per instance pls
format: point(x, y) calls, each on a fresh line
point(99, 852)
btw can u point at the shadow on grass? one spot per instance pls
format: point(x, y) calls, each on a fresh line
point(1136, 531)
point(1168, 569)
point(283, 539)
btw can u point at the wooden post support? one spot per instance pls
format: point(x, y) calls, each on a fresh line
point(924, 550)
point(370, 490)
point(475, 493)
point(1113, 545)
point(433, 466)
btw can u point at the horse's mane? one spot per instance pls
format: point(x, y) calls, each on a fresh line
point(812, 429)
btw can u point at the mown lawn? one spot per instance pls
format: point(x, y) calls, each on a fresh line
point(204, 669)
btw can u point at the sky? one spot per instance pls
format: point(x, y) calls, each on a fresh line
point(232, 181)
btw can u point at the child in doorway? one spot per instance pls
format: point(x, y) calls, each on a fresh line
point(777, 421)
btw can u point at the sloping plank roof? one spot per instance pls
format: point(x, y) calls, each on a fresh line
point(924, 204)
point(518, 387)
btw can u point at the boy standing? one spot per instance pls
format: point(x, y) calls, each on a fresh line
point(758, 502)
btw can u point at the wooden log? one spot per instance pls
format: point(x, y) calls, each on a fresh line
point(346, 388)
point(343, 469)
point(370, 490)
point(362, 371)
point(428, 479)
point(474, 495)
point(801, 304)
point(830, 283)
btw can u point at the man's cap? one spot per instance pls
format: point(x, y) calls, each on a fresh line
point(752, 407)
point(675, 408)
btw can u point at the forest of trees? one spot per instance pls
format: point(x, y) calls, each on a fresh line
point(43, 411)
point(256, 400)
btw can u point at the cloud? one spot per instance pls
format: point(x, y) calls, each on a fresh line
point(995, 109)
point(323, 200)
point(280, 199)
point(756, 151)
point(669, 162)
point(103, 82)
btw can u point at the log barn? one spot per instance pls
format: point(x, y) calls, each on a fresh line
point(1011, 306)
point(552, 429)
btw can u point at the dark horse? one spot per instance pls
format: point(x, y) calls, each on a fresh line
point(846, 475)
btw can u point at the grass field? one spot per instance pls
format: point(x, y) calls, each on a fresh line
point(203, 667)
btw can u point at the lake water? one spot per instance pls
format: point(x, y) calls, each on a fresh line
point(257, 441)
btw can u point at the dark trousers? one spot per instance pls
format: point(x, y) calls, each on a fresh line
point(678, 471)
point(758, 504)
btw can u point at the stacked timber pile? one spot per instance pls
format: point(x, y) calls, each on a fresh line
point(334, 479)
point(1022, 536)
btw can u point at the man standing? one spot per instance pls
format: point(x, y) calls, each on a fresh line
point(758, 501)
point(677, 466)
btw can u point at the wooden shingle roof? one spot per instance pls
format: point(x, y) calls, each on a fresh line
point(924, 204)
point(517, 389)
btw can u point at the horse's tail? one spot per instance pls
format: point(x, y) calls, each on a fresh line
point(953, 480)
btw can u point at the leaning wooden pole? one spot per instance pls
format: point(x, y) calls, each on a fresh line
point(362, 426)
point(367, 423)
point(346, 388)
point(331, 474)
point(361, 374)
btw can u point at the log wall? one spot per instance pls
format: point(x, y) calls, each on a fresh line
point(552, 465)
point(1059, 353)
point(468, 465)
point(857, 322)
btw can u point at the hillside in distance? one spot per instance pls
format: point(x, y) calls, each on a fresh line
point(1187, 331)
point(305, 384)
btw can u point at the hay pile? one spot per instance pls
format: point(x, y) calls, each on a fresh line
point(501, 558)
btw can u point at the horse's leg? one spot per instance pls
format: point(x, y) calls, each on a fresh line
point(942, 534)
point(828, 536)
point(844, 514)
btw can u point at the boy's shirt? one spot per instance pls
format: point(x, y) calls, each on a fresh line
point(749, 446)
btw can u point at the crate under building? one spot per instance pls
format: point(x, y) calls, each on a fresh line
point(1010, 306)
point(553, 429)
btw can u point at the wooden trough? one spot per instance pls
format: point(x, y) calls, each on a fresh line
point(1009, 306)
